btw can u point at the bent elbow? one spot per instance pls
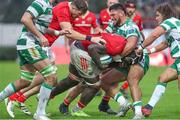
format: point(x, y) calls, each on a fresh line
point(23, 20)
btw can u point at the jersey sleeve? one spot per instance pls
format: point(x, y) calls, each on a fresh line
point(109, 28)
point(94, 21)
point(36, 9)
point(132, 31)
point(62, 15)
point(167, 25)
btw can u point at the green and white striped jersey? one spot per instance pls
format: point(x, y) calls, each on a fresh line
point(129, 28)
point(41, 10)
point(172, 27)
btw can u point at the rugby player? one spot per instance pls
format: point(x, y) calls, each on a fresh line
point(169, 25)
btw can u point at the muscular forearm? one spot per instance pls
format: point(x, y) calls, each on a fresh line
point(161, 46)
point(27, 20)
point(76, 35)
point(127, 50)
point(130, 46)
point(157, 32)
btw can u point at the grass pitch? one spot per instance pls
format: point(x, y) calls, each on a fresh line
point(167, 108)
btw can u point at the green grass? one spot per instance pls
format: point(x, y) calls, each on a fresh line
point(167, 108)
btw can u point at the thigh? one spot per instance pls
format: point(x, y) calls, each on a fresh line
point(168, 75)
point(112, 76)
point(28, 67)
point(42, 64)
point(136, 72)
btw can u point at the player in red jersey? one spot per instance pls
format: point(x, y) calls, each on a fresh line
point(85, 24)
point(104, 17)
point(63, 16)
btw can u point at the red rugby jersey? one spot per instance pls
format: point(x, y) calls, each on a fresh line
point(104, 18)
point(61, 13)
point(84, 23)
point(138, 20)
point(114, 43)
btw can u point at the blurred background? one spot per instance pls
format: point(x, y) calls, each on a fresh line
point(10, 27)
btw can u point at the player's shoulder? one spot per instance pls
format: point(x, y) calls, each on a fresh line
point(62, 5)
point(103, 11)
point(42, 3)
point(172, 19)
point(138, 15)
point(130, 24)
point(91, 14)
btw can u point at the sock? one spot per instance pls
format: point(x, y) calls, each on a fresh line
point(21, 99)
point(9, 90)
point(120, 99)
point(105, 99)
point(138, 106)
point(15, 96)
point(45, 92)
point(158, 92)
point(78, 107)
point(125, 85)
point(66, 102)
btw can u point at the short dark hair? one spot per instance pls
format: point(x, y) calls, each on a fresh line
point(166, 10)
point(81, 5)
point(117, 6)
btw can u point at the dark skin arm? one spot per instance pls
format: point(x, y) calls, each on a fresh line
point(96, 51)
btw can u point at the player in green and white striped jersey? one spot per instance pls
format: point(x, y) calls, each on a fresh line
point(169, 26)
point(32, 57)
point(122, 25)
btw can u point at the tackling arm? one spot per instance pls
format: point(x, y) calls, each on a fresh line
point(130, 46)
point(157, 32)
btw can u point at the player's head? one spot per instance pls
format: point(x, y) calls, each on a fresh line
point(111, 2)
point(117, 13)
point(78, 7)
point(164, 11)
point(130, 7)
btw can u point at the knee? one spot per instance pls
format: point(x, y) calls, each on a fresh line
point(53, 80)
point(23, 83)
point(162, 78)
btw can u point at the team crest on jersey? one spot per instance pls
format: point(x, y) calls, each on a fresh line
point(89, 19)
